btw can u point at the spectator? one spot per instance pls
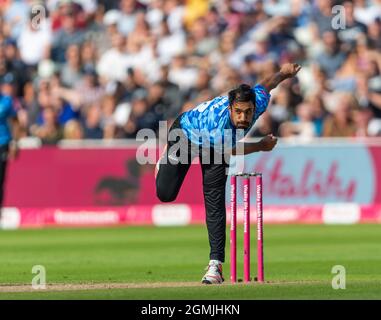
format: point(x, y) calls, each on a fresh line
point(15, 14)
point(302, 125)
point(129, 10)
point(91, 125)
point(362, 118)
point(341, 123)
point(34, 42)
point(205, 43)
point(321, 16)
point(319, 112)
point(50, 132)
point(73, 130)
point(112, 65)
point(374, 34)
point(169, 44)
point(353, 28)
point(115, 67)
point(332, 58)
point(13, 64)
point(68, 35)
point(71, 71)
point(366, 14)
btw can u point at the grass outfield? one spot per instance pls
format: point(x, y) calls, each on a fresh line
point(298, 263)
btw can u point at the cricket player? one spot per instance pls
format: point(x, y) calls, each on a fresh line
point(204, 131)
point(8, 125)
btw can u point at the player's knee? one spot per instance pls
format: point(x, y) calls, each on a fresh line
point(164, 195)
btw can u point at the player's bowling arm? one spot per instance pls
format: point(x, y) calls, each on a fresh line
point(265, 144)
point(287, 70)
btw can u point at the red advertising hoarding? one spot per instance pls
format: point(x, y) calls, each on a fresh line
point(106, 186)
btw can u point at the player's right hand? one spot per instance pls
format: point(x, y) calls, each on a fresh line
point(290, 70)
point(268, 143)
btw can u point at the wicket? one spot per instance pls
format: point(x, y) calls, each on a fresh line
point(246, 226)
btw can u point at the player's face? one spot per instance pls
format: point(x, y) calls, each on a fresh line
point(242, 114)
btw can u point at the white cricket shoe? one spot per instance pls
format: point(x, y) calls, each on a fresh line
point(213, 274)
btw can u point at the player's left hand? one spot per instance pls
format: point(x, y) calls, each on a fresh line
point(290, 70)
point(268, 143)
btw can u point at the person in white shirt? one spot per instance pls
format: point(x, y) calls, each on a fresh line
point(35, 41)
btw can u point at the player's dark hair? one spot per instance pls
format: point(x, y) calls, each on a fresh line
point(243, 93)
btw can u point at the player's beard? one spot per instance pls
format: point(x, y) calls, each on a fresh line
point(243, 125)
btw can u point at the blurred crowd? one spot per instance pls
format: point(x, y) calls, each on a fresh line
point(103, 69)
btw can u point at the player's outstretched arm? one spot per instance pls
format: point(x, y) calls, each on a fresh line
point(287, 70)
point(265, 144)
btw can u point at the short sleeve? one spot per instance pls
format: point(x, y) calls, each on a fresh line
point(262, 98)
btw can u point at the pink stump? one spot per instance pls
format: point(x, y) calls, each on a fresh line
point(261, 274)
point(246, 229)
point(233, 229)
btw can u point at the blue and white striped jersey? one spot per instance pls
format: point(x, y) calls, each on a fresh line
point(209, 122)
